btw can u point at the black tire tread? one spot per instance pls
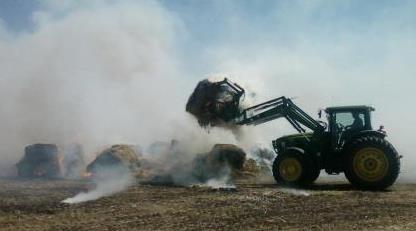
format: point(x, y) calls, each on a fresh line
point(392, 156)
point(309, 170)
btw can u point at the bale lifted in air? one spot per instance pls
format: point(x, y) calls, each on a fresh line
point(214, 103)
point(347, 143)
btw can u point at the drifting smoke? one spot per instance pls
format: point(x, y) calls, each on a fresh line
point(93, 74)
point(296, 192)
point(189, 162)
point(221, 183)
point(110, 182)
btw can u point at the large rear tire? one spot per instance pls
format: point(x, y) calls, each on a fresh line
point(294, 168)
point(372, 163)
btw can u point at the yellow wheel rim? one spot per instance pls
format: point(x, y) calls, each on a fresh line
point(370, 164)
point(290, 169)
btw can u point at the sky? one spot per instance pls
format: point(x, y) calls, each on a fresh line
point(322, 53)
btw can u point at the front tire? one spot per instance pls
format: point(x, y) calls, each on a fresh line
point(294, 168)
point(372, 163)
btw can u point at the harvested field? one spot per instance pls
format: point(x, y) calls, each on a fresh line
point(35, 205)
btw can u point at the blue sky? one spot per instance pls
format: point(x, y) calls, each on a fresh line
point(17, 14)
point(263, 21)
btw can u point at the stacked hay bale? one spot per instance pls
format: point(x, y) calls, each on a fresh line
point(118, 159)
point(39, 160)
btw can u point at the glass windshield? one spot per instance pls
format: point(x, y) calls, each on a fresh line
point(351, 120)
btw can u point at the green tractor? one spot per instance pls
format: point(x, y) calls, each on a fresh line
point(346, 143)
point(367, 159)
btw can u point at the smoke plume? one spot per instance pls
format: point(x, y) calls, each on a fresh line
point(96, 74)
point(111, 181)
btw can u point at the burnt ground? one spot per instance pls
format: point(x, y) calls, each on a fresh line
point(35, 205)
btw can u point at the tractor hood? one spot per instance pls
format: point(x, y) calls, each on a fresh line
point(295, 140)
point(295, 137)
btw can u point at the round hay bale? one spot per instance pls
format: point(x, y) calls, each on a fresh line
point(40, 160)
point(213, 103)
point(222, 159)
point(118, 156)
point(228, 153)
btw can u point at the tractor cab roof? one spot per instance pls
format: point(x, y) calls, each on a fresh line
point(349, 108)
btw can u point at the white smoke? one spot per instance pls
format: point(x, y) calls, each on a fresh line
point(111, 181)
point(92, 73)
point(296, 192)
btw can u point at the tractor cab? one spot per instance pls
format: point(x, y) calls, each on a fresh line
point(346, 122)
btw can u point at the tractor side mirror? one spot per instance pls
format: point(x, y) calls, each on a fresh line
point(320, 113)
point(381, 129)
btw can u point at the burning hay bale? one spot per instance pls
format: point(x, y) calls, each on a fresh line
point(250, 168)
point(222, 159)
point(176, 168)
point(229, 154)
point(40, 160)
point(117, 159)
point(214, 103)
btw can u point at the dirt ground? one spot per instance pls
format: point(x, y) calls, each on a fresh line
point(35, 205)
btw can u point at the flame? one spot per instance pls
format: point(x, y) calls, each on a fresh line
point(86, 175)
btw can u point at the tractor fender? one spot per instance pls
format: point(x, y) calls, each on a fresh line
point(296, 149)
point(379, 134)
point(300, 151)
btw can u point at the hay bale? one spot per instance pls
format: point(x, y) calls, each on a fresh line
point(213, 103)
point(229, 154)
point(122, 157)
point(222, 159)
point(40, 160)
point(251, 166)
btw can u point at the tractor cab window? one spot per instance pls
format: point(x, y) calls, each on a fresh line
point(349, 120)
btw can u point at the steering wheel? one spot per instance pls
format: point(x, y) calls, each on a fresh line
point(348, 127)
point(340, 127)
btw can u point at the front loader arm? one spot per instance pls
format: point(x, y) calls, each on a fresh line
point(278, 108)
